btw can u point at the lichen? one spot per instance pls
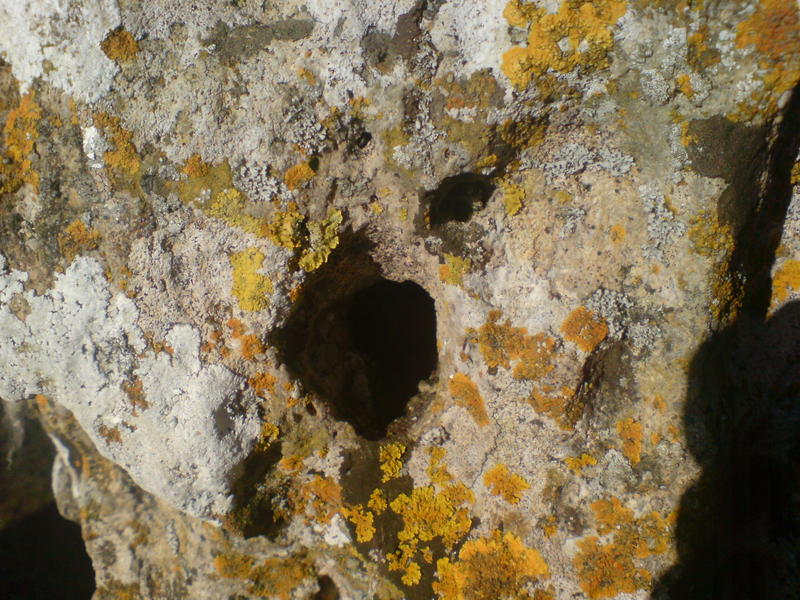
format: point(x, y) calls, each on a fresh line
point(248, 345)
point(120, 45)
point(513, 195)
point(76, 239)
point(501, 343)
point(298, 175)
point(363, 521)
point(630, 432)
point(123, 160)
point(20, 133)
point(391, 460)
point(584, 329)
point(489, 568)
point(454, 269)
point(785, 281)
point(466, 394)
point(774, 30)
point(323, 238)
point(506, 484)
point(267, 579)
point(263, 385)
point(608, 569)
point(585, 26)
point(578, 463)
point(251, 288)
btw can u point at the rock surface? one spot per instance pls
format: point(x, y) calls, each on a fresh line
point(406, 299)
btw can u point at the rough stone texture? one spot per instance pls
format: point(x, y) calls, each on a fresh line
point(202, 204)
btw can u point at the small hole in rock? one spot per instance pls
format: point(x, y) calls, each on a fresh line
point(361, 342)
point(327, 589)
point(457, 198)
point(43, 556)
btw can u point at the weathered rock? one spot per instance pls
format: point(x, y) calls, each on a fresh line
point(409, 299)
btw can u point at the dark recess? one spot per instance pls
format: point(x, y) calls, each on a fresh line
point(738, 531)
point(43, 557)
point(327, 589)
point(457, 198)
point(362, 343)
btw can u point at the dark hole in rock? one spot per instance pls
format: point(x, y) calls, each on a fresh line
point(327, 589)
point(457, 198)
point(43, 557)
point(362, 343)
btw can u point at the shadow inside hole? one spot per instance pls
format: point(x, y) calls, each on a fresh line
point(43, 557)
point(362, 343)
point(457, 198)
point(327, 589)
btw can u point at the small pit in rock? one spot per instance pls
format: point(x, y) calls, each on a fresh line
point(457, 198)
point(360, 342)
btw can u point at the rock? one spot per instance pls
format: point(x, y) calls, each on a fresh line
point(409, 299)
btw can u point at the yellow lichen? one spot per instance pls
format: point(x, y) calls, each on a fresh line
point(684, 83)
point(437, 470)
point(230, 205)
point(377, 501)
point(123, 160)
point(505, 483)
point(251, 288)
point(584, 329)
point(785, 281)
point(578, 463)
point(298, 175)
point(391, 460)
point(489, 568)
point(428, 515)
point(466, 393)
point(630, 432)
point(454, 269)
point(578, 34)
point(363, 521)
point(323, 238)
point(120, 45)
point(513, 195)
point(20, 133)
point(77, 238)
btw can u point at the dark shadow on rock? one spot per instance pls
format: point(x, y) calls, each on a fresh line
point(738, 530)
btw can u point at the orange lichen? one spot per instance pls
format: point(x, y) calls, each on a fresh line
point(785, 281)
point(291, 464)
point(263, 385)
point(489, 568)
point(618, 233)
point(606, 570)
point(76, 239)
point(630, 432)
point(250, 346)
point(579, 463)
point(467, 396)
point(437, 470)
point(273, 577)
point(298, 175)
point(135, 392)
point(391, 460)
point(20, 133)
point(585, 26)
point(123, 159)
point(195, 167)
point(120, 45)
point(552, 403)
point(501, 343)
point(584, 328)
point(505, 483)
point(110, 434)
point(323, 496)
point(774, 30)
